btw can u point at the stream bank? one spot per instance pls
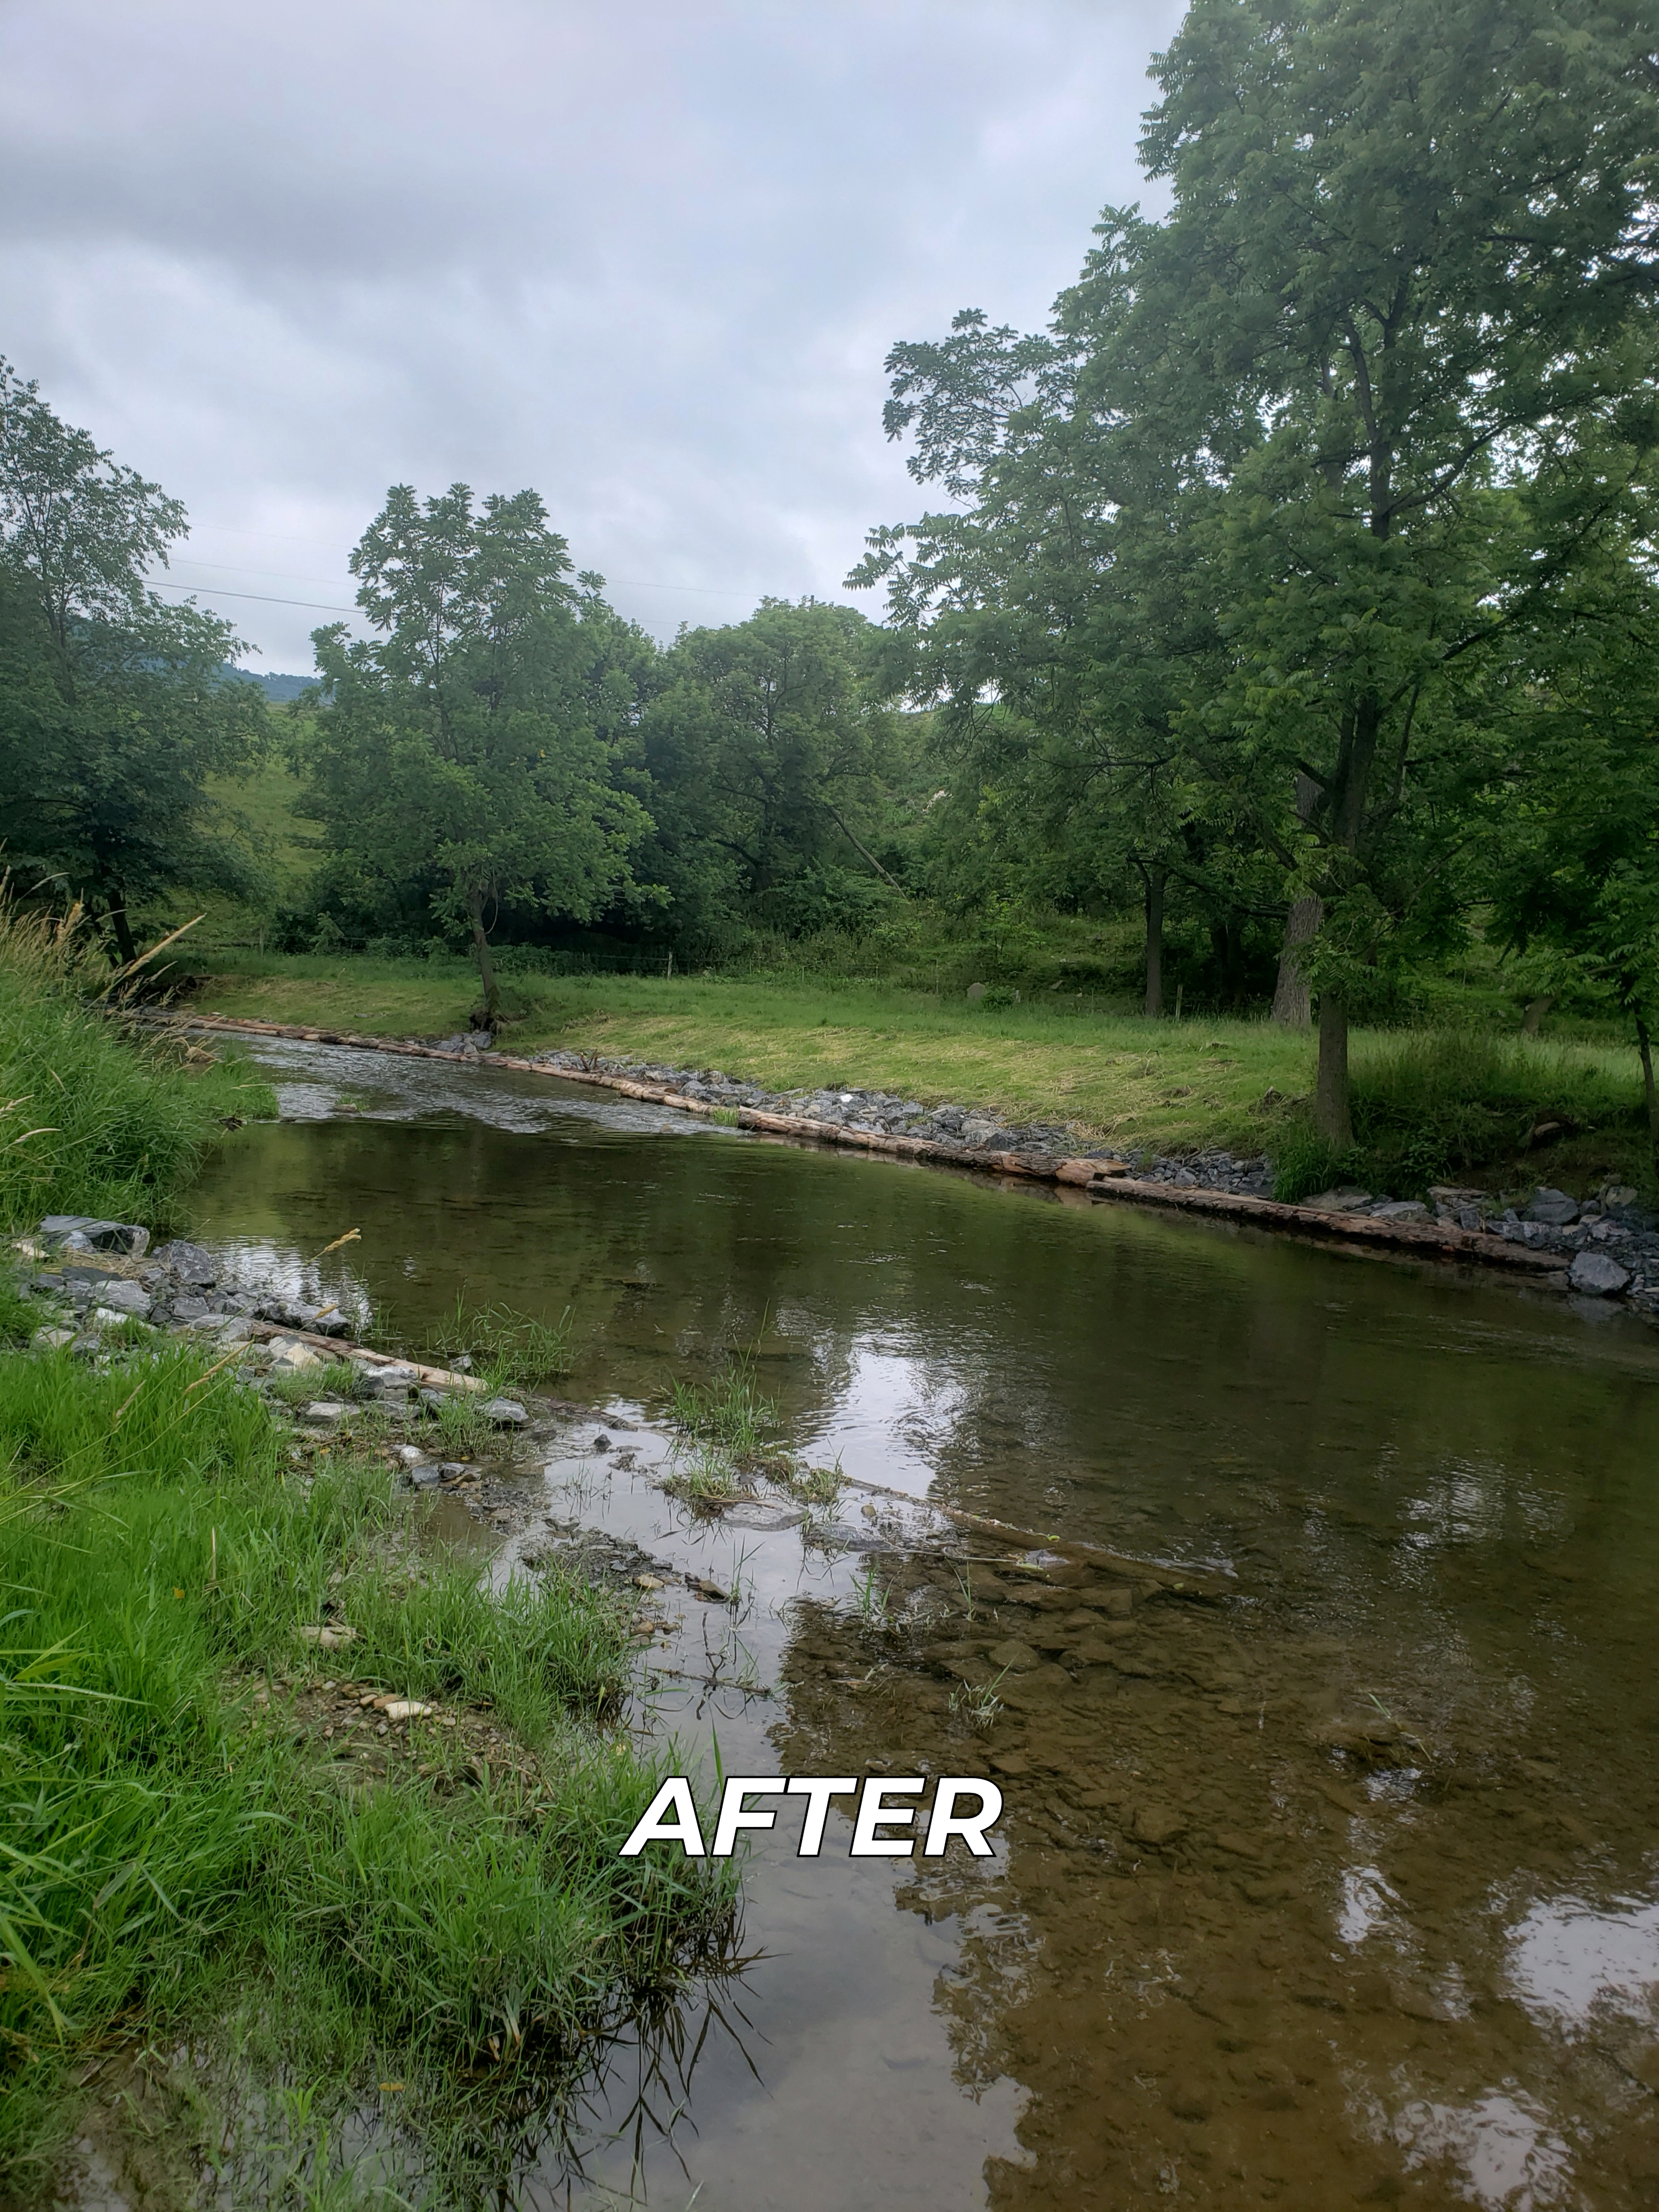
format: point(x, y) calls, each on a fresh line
point(1607, 1249)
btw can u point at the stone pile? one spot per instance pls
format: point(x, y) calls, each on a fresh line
point(103, 1272)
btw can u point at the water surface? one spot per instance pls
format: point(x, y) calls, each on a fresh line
point(1399, 1939)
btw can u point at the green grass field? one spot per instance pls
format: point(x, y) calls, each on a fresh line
point(1427, 1103)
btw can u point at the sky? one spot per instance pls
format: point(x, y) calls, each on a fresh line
point(648, 259)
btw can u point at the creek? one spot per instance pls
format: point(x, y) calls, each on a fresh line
point(1339, 1889)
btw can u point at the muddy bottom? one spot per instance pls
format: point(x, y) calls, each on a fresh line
point(1338, 1888)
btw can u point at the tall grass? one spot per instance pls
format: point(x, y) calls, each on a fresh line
point(1437, 1105)
point(162, 1847)
point(92, 1119)
point(513, 1348)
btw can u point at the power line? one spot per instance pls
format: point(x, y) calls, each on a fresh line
point(215, 592)
point(322, 606)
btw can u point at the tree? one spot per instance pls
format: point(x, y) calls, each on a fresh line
point(758, 760)
point(1292, 464)
point(115, 710)
point(1408, 267)
point(1574, 873)
point(1061, 613)
point(466, 755)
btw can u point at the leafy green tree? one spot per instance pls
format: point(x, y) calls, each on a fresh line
point(115, 710)
point(1295, 464)
point(466, 757)
point(759, 760)
point(1575, 869)
point(1408, 269)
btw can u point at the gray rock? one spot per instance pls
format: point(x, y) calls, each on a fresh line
point(391, 1382)
point(505, 1413)
point(840, 1536)
point(86, 1233)
point(324, 1411)
point(189, 1309)
point(51, 1340)
point(190, 1263)
point(426, 1476)
point(432, 1399)
point(1343, 1198)
point(124, 1298)
point(1399, 1209)
point(1553, 1207)
point(113, 1317)
point(976, 992)
point(289, 1357)
point(1597, 1275)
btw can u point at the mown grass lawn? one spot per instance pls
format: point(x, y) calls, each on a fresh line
point(1134, 1080)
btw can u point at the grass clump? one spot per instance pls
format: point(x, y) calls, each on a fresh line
point(94, 1120)
point(511, 1350)
point(175, 1845)
point(731, 1414)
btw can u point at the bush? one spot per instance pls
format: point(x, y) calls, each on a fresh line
point(92, 1119)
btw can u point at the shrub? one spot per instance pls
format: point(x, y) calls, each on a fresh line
point(93, 1119)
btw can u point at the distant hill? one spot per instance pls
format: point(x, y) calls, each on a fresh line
point(277, 688)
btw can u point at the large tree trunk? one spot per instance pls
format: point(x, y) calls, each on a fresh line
point(1644, 1046)
point(1331, 1116)
point(122, 928)
point(1292, 1000)
point(492, 997)
point(1154, 878)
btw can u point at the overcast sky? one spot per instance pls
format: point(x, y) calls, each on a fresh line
point(646, 257)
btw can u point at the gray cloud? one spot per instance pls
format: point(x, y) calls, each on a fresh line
point(646, 258)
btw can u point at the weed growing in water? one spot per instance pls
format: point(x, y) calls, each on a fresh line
point(705, 1477)
point(511, 1349)
point(977, 1703)
point(873, 1600)
point(731, 1413)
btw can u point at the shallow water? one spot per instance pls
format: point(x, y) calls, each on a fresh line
point(1399, 1939)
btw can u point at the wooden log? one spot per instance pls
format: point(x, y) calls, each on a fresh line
point(1192, 1582)
point(342, 1347)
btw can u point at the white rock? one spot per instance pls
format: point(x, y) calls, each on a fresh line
point(329, 1639)
point(285, 1353)
point(51, 1340)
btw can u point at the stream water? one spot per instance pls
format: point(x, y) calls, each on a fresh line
point(1341, 1889)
